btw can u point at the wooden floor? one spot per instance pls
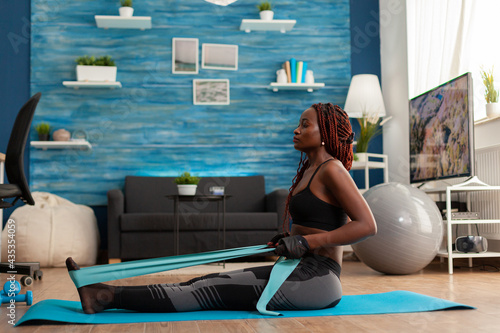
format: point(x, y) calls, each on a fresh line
point(471, 286)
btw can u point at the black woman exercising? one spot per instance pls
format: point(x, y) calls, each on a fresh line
point(327, 211)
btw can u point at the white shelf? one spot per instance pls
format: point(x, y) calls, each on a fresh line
point(263, 25)
point(95, 85)
point(120, 22)
point(356, 165)
point(479, 221)
point(368, 164)
point(73, 144)
point(473, 184)
point(456, 254)
point(310, 87)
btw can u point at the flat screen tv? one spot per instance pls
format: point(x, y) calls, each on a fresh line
point(442, 132)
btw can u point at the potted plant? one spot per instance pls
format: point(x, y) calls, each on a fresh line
point(266, 12)
point(490, 94)
point(370, 125)
point(102, 69)
point(187, 184)
point(126, 9)
point(43, 130)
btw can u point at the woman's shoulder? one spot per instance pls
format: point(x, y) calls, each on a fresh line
point(334, 165)
point(334, 171)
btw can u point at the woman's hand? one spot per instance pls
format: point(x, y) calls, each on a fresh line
point(274, 241)
point(293, 247)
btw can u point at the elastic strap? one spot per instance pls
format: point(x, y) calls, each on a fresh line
point(280, 272)
point(104, 273)
point(314, 174)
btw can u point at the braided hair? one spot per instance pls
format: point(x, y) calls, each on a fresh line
point(336, 132)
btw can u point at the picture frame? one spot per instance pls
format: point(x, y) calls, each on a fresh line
point(219, 56)
point(211, 92)
point(185, 55)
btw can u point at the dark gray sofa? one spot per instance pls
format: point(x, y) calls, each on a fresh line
point(141, 218)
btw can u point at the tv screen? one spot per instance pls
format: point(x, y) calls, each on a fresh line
point(442, 132)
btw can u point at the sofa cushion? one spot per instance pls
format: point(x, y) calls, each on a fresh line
point(247, 194)
point(148, 194)
point(201, 222)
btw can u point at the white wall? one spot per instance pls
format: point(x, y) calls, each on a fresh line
point(394, 59)
point(486, 134)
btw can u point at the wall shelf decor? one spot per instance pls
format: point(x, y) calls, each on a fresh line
point(86, 84)
point(262, 25)
point(211, 92)
point(219, 56)
point(310, 87)
point(72, 144)
point(185, 55)
point(120, 22)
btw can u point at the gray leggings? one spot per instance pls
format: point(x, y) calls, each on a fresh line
point(314, 284)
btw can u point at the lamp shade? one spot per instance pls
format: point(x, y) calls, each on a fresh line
point(364, 96)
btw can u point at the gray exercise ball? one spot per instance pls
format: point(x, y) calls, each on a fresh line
point(410, 229)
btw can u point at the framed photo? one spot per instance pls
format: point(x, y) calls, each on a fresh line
point(185, 55)
point(219, 56)
point(211, 92)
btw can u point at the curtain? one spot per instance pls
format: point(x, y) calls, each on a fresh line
point(447, 38)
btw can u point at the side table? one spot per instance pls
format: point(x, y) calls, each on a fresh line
point(221, 214)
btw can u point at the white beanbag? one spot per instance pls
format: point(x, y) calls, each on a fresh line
point(52, 230)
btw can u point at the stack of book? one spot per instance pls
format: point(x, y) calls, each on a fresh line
point(295, 70)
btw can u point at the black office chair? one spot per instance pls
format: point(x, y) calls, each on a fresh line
point(14, 157)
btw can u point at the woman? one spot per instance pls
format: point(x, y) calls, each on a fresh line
point(322, 197)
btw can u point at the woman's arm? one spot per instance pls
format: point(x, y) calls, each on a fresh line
point(340, 186)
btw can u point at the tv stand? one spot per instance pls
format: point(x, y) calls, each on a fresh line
point(473, 184)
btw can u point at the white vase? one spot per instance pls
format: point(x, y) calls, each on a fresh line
point(61, 135)
point(266, 15)
point(492, 110)
point(309, 77)
point(362, 157)
point(126, 11)
point(187, 189)
point(96, 73)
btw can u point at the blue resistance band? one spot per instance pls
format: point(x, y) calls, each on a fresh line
point(96, 274)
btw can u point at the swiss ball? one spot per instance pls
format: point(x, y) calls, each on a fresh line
point(409, 229)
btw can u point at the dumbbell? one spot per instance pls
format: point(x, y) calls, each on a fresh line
point(15, 287)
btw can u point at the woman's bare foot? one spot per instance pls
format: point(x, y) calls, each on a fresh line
point(94, 297)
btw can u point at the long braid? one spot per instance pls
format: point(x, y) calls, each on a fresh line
point(336, 133)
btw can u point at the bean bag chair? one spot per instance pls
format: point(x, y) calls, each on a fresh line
point(52, 230)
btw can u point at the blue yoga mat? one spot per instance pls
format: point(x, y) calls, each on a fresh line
point(390, 302)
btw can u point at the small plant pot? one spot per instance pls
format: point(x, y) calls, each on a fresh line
point(362, 157)
point(266, 15)
point(126, 11)
point(96, 73)
point(492, 110)
point(187, 189)
point(43, 136)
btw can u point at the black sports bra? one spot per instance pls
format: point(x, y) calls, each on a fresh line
point(308, 210)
